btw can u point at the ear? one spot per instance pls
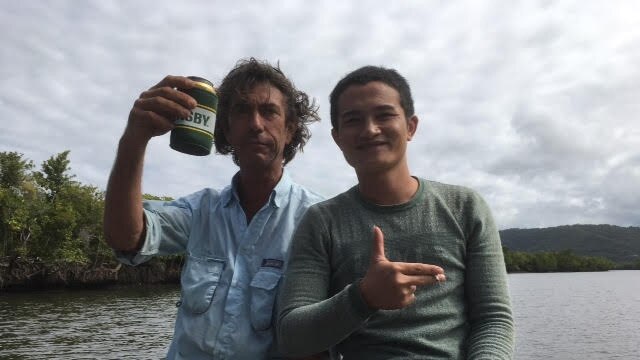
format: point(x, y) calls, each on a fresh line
point(412, 126)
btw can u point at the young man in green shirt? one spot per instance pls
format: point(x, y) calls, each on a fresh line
point(398, 266)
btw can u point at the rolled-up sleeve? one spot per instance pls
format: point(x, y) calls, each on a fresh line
point(167, 227)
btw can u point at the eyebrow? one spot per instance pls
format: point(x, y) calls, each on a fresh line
point(385, 108)
point(377, 108)
point(349, 113)
point(245, 102)
point(269, 104)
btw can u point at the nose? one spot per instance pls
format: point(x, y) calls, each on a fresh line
point(256, 122)
point(370, 128)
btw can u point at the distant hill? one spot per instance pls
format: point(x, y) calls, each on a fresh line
point(619, 244)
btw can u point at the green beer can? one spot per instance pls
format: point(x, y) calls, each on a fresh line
point(194, 135)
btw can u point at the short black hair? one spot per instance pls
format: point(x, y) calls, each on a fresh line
point(300, 110)
point(365, 75)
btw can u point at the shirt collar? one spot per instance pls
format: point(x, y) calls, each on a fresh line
point(277, 197)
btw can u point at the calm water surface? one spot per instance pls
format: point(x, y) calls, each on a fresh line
point(566, 316)
point(572, 316)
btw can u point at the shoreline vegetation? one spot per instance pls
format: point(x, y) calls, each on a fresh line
point(20, 274)
point(51, 235)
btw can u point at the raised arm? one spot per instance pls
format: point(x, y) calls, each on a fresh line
point(153, 114)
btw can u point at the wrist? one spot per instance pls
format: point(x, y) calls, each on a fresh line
point(133, 136)
point(132, 146)
point(359, 304)
point(363, 292)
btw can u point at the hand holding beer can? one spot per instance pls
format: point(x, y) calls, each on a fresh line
point(194, 135)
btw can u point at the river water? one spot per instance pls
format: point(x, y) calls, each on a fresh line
point(564, 316)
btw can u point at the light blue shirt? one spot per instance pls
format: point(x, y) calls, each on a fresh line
point(232, 269)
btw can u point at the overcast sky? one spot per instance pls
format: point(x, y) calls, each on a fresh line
point(532, 103)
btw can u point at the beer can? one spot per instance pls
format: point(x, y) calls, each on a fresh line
point(194, 135)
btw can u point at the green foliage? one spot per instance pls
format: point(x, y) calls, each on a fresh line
point(47, 216)
point(13, 170)
point(55, 176)
point(154, 197)
point(18, 200)
point(562, 261)
point(632, 265)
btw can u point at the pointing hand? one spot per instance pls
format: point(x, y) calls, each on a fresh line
point(391, 285)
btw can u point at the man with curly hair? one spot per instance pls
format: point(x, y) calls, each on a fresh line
point(235, 240)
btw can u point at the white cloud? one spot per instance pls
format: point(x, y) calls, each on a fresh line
point(532, 103)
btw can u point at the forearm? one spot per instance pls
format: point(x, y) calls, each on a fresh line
point(123, 214)
point(312, 328)
point(492, 329)
point(492, 338)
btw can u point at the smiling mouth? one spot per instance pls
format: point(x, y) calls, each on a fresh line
point(371, 145)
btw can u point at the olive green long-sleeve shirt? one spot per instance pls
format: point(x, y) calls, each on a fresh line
point(467, 317)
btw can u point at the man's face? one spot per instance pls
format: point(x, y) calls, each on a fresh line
point(373, 130)
point(257, 127)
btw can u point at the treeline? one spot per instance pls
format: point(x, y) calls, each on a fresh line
point(51, 233)
point(51, 228)
point(562, 261)
point(616, 243)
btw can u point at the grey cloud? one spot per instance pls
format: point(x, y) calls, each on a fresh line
point(534, 104)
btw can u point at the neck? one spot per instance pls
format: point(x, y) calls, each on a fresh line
point(388, 188)
point(255, 187)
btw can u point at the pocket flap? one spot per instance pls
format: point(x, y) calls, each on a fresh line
point(199, 279)
point(266, 280)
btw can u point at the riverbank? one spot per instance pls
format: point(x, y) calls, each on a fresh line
point(20, 274)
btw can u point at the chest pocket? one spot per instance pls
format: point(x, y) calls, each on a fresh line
point(199, 279)
point(263, 295)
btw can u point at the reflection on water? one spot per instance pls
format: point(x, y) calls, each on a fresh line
point(117, 323)
point(567, 316)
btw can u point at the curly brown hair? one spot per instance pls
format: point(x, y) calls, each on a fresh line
point(300, 112)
